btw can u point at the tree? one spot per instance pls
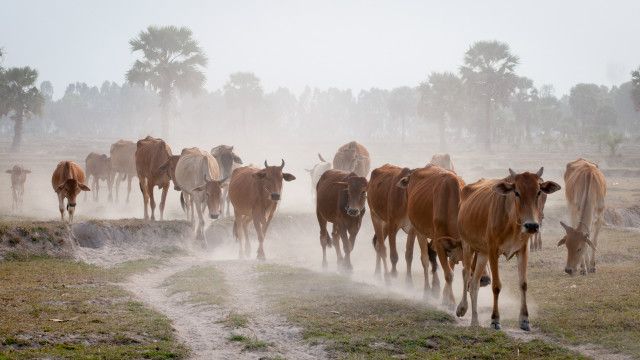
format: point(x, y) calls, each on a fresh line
point(243, 91)
point(585, 100)
point(402, 105)
point(635, 92)
point(441, 100)
point(171, 59)
point(46, 89)
point(489, 74)
point(21, 98)
point(524, 102)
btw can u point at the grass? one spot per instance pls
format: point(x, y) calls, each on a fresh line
point(235, 320)
point(54, 308)
point(123, 270)
point(600, 308)
point(355, 321)
point(203, 284)
point(249, 343)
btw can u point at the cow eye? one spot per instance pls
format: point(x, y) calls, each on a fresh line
point(539, 192)
point(517, 193)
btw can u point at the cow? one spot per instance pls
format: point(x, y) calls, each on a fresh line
point(442, 160)
point(198, 175)
point(352, 157)
point(67, 181)
point(340, 200)
point(151, 154)
point(497, 217)
point(388, 210)
point(585, 189)
point(316, 172)
point(255, 194)
point(123, 164)
point(227, 161)
point(98, 166)
point(18, 178)
point(433, 197)
point(536, 239)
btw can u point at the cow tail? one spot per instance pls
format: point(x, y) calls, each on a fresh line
point(182, 203)
point(374, 240)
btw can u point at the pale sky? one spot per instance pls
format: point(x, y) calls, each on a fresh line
point(340, 43)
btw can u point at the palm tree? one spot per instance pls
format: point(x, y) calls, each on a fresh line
point(489, 73)
point(244, 92)
point(171, 59)
point(20, 98)
point(441, 99)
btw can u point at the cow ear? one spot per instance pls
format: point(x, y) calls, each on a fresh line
point(549, 187)
point(503, 188)
point(566, 227)
point(9, 171)
point(562, 241)
point(586, 239)
point(83, 187)
point(288, 177)
point(237, 159)
point(403, 183)
point(164, 166)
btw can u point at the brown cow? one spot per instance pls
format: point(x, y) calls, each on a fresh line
point(585, 189)
point(388, 208)
point(255, 194)
point(442, 160)
point(68, 180)
point(123, 163)
point(151, 154)
point(99, 166)
point(18, 178)
point(497, 217)
point(340, 199)
point(228, 161)
point(433, 197)
point(352, 157)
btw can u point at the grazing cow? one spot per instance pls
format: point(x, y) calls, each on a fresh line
point(352, 157)
point(197, 175)
point(151, 154)
point(123, 163)
point(99, 166)
point(227, 161)
point(388, 209)
point(68, 180)
point(255, 194)
point(18, 178)
point(497, 217)
point(442, 160)
point(433, 198)
point(317, 171)
point(340, 200)
point(536, 239)
point(585, 189)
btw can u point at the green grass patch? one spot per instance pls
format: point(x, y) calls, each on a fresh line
point(203, 284)
point(249, 343)
point(236, 320)
point(355, 320)
point(123, 270)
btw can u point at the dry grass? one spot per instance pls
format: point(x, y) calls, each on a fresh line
point(202, 284)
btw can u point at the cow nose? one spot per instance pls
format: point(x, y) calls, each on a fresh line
point(532, 228)
point(275, 196)
point(213, 216)
point(568, 271)
point(353, 212)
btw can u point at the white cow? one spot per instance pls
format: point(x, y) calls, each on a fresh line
point(317, 171)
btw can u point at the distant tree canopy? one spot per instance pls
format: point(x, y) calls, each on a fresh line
point(635, 92)
point(171, 59)
point(21, 98)
point(243, 92)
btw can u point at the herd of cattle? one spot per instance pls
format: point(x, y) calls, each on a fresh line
point(452, 221)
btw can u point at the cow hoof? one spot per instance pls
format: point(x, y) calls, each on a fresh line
point(394, 273)
point(261, 257)
point(485, 280)
point(524, 325)
point(495, 325)
point(325, 265)
point(583, 272)
point(435, 293)
point(461, 310)
point(592, 269)
point(475, 323)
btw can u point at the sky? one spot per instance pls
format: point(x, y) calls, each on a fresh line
point(328, 43)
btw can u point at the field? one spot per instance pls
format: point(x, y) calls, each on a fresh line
point(113, 286)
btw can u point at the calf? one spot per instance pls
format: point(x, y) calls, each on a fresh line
point(585, 189)
point(497, 217)
point(123, 164)
point(68, 180)
point(227, 161)
point(255, 194)
point(340, 199)
point(18, 178)
point(98, 166)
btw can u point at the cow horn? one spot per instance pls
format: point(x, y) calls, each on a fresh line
point(321, 158)
point(565, 226)
point(223, 180)
point(539, 173)
point(512, 173)
point(265, 164)
point(282, 166)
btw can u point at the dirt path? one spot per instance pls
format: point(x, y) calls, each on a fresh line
point(201, 327)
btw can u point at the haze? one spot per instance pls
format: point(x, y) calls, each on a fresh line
point(344, 44)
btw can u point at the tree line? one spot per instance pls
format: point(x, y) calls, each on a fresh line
point(485, 103)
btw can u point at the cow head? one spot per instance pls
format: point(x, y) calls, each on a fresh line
point(226, 158)
point(18, 170)
point(356, 194)
point(213, 195)
point(442, 160)
point(577, 244)
point(70, 189)
point(524, 190)
point(270, 180)
point(169, 169)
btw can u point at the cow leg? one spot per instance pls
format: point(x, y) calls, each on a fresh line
point(145, 197)
point(61, 206)
point(257, 224)
point(408, 256)
point(523, 257)
point(117, 185)
point(197, 199)
point(129, 179)
point(96, 185)
point(336, 243)
point(110, 187)
point(474, 287)
point(152, 200)
point(393, 249)
point(378, 243)
point(424, 260)
point(447, 294)
point(433, 259)
point(496, 286)
point(86, 195)
point(247, 243)
point(163, 200)
point(346, 245)
point(14, 195)
point(597, 226)
point(324, 238)
point(467, 270)
point(237, 233)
